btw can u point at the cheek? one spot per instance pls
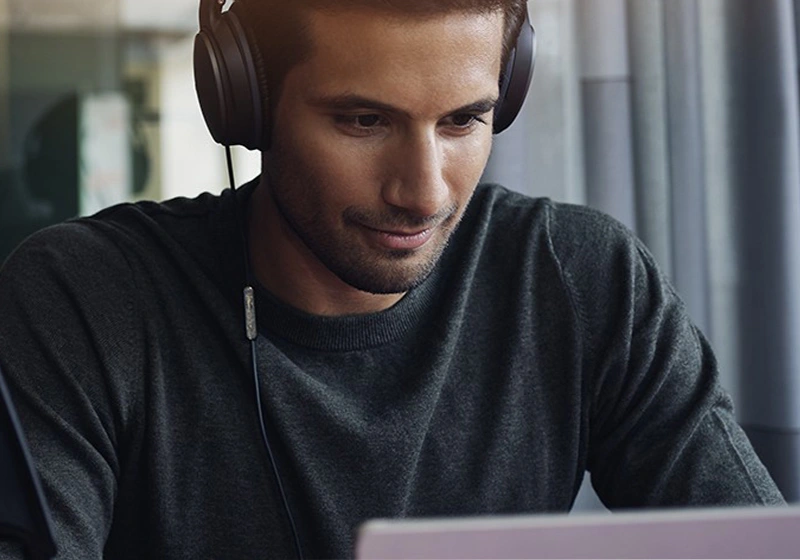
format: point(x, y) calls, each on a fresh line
point(335, 171)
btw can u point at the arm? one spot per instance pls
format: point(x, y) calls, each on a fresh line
point(65, 343)
point(11, 550)
point(662, 429)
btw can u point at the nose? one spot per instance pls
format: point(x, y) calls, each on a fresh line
point(417, 183)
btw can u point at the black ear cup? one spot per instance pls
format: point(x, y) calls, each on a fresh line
point(516, 79)
point(226, 79)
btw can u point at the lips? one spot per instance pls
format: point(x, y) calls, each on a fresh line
point(400, 240)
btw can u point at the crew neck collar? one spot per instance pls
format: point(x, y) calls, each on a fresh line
point(346, 332)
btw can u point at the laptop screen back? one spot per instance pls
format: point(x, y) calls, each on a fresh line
point(687, 533)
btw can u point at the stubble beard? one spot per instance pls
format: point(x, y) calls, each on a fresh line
point(364, 268)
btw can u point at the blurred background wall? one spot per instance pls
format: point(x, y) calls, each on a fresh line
point(97, 106)
point(678, 117)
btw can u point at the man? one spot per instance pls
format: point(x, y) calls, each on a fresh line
point(425, 346)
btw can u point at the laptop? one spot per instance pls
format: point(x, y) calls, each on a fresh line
point(767, 532)
point(24, 515)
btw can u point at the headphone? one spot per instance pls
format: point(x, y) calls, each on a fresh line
point(230, 92)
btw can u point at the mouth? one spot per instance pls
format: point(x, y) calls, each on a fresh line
point(398, 239)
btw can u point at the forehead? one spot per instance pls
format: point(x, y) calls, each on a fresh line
point(415, 62)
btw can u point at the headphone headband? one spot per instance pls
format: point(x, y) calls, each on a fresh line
point(210, 12)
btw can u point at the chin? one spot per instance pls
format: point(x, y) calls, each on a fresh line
point(387, 280)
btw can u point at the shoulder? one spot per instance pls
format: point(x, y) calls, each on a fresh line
point(176, 218)
point(121, 220)
point(75, 249)
point(129, 236)
point(497, 205)
point(70, 311)
point(584, 238)
point(90, 260)
point(604, 267)
point(575, 235)
point(496, 202)
point(66, 277)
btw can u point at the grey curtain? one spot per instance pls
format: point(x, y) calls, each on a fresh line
point(681, 118)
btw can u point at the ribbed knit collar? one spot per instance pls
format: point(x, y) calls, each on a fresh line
point(349, 332)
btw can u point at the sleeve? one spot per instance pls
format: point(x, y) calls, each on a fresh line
point(11, 550)
point(67, 337)
point(662, 430)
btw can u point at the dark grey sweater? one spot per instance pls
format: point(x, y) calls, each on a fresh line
point(545, 343)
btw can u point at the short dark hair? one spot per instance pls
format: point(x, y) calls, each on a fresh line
point(278, 31)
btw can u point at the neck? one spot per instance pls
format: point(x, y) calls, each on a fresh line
point(285, 266)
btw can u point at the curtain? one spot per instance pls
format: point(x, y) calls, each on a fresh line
point(681, 118)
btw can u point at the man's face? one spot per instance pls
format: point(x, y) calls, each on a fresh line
point(380, 138)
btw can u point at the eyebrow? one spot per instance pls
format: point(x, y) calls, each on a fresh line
point(352, 102)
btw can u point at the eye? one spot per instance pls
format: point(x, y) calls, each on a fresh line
point(464, 122)
point(362, 124)
point(367, 121)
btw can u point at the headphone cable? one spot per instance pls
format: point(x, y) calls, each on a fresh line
point(251, 332)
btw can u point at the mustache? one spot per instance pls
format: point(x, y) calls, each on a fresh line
point(397, 218)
